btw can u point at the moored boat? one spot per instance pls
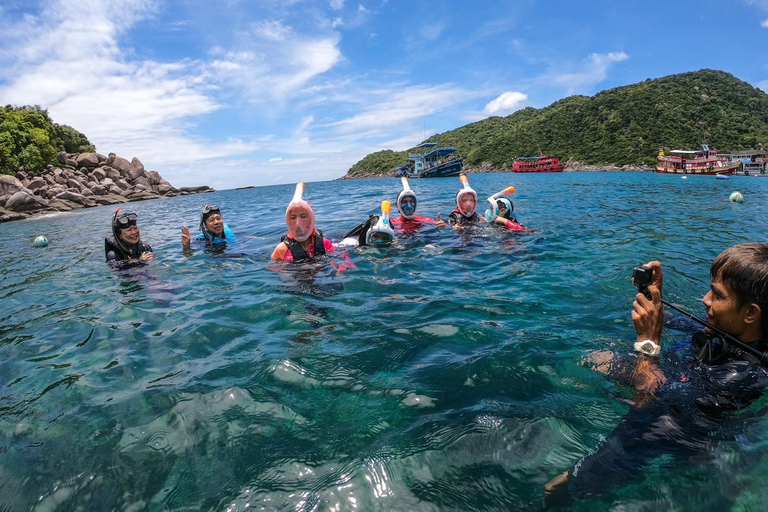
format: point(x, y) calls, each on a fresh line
point(703, 161)
point(753, 162)
point(436, 162)
point(541, 163)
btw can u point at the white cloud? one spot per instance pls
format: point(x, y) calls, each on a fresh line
point(275, 160)
point(505, 103)
point(764, 24)
point(402, 105)
point(336, 4)
point(595, 70)
point(271, 30)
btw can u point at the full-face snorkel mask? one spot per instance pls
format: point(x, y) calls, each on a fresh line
point(494, 200)
point(407, 210)
point(381, 233)
point(462, 192)
point(208, 210)
point(301, 229)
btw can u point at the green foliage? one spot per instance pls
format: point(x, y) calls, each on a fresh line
point(621, 126)
point(29, 139)
point(381, 162)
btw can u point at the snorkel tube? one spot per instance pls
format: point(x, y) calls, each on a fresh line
point(462, 191)
point(300, 230)
point(406, 213)
point(493, 211)
point(382, 230)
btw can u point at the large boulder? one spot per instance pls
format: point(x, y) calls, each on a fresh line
point(6, 215)
point(74, 184)
point(122, 165)
point(137, 168)
point(10, 185)
point(36, 183)
point(99, 190)
point(109, 199)
point(89, 160)
point(122, 184)
point(24, 202)
point(143, 182)
point(110, 158)
point(111, 173)
point(153, 177)
point(62, 157)
point(75, 198)
point(98, 175)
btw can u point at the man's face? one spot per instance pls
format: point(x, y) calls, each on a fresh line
point(214, 223)
point(723, 310)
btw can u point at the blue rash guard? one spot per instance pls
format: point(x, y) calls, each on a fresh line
point(229, 237)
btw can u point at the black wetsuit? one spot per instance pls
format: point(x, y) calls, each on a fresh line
point(457, 216)
point(118, 252)
point(688, 414)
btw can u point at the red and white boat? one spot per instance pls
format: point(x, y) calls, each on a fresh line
point(541, 163)
point(703, 161)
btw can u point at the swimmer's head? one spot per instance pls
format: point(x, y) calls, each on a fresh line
point(406, 200)
point(211, 221)
point(299, 216)
point(381, 233)
point(466, 198)
point(505, 207)
point(500, 206)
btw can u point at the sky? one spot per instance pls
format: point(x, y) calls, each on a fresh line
point(233, 93)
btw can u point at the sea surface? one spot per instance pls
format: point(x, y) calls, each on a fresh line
point(443, 373)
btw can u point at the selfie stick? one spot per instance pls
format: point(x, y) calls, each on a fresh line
point(761, 356)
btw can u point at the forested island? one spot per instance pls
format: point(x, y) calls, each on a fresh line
point(45, 167)
point(621, 127)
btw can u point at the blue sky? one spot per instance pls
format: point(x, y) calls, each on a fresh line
point(230, 93)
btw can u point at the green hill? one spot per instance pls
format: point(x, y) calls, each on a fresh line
point(622, 126)
point(30, 139)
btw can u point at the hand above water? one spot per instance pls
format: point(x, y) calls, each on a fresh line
point(438, 222)
point(185, 237)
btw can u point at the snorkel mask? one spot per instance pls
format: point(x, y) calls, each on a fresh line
point(208, 210)
point(122, 221)
point(381, 233)
point(494, 200)
point(407, 210)
point(299, 229)
point(462, 192)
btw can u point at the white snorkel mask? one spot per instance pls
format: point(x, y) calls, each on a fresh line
point(381, 233)
point(409, 210)
point(493, 211)
point(462, 192)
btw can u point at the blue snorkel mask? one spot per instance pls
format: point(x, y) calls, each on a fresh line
point(407, 210)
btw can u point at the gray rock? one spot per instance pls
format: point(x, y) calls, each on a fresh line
point(153, 177)
point(122, 165)
point(89, 160)
point(140, 188)
point(114, 189)
point(101, 158)
point(164, 188)
point(143, 181)
point(99, 175)
point(99, 190)
point(4, 199)
point(106, 182)
point(62, 157)
point(36, 183)
point(23, 202)
point(110, 199)
point(87, 192)
point(10, 185)
point(75, 198)
point(75, 184)
point(122, 184)
point(137, 168)
point(111, 173)
point(110, 158)
point(6, 215)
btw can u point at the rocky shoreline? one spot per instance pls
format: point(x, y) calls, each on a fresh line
point(570, 165)
point(83, 180)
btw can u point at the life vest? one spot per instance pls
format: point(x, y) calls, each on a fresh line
point(122, 251)
point(457, 216)
point(298, 252)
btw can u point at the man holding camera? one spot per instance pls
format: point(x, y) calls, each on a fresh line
point(685, 392)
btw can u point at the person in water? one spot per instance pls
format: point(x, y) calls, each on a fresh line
point(406, 204)
point(686, 395)
point(377, 230)
point(501, 211)
point(466, 206)
point(125, 245)
point(303, 241)
point(213, 230)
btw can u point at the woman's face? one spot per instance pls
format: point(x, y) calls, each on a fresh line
point(299, 224)
point(215, 224)
point(130, 235)
point(467, 204)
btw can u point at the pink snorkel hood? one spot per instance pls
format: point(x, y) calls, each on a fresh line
point(297, 203)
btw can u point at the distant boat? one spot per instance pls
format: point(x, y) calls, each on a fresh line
point(541, 163)
point(753, 162)
point(436, 162)
point(703, 161)
point(722, 177)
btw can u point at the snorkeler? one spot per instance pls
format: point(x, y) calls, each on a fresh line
point(125, 245)
point(377, 230)
point(500, 211)
point(466, 204)
point(213, 230)
point(406, 204)
point(303, 241)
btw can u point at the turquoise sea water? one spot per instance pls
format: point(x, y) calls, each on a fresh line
point(441, 374)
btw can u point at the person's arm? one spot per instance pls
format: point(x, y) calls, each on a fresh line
point(648, 319)
point(186, 239)
point(279, 253)
point(439, 222)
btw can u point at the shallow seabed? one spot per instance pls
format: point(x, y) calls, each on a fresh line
point(441, 374)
